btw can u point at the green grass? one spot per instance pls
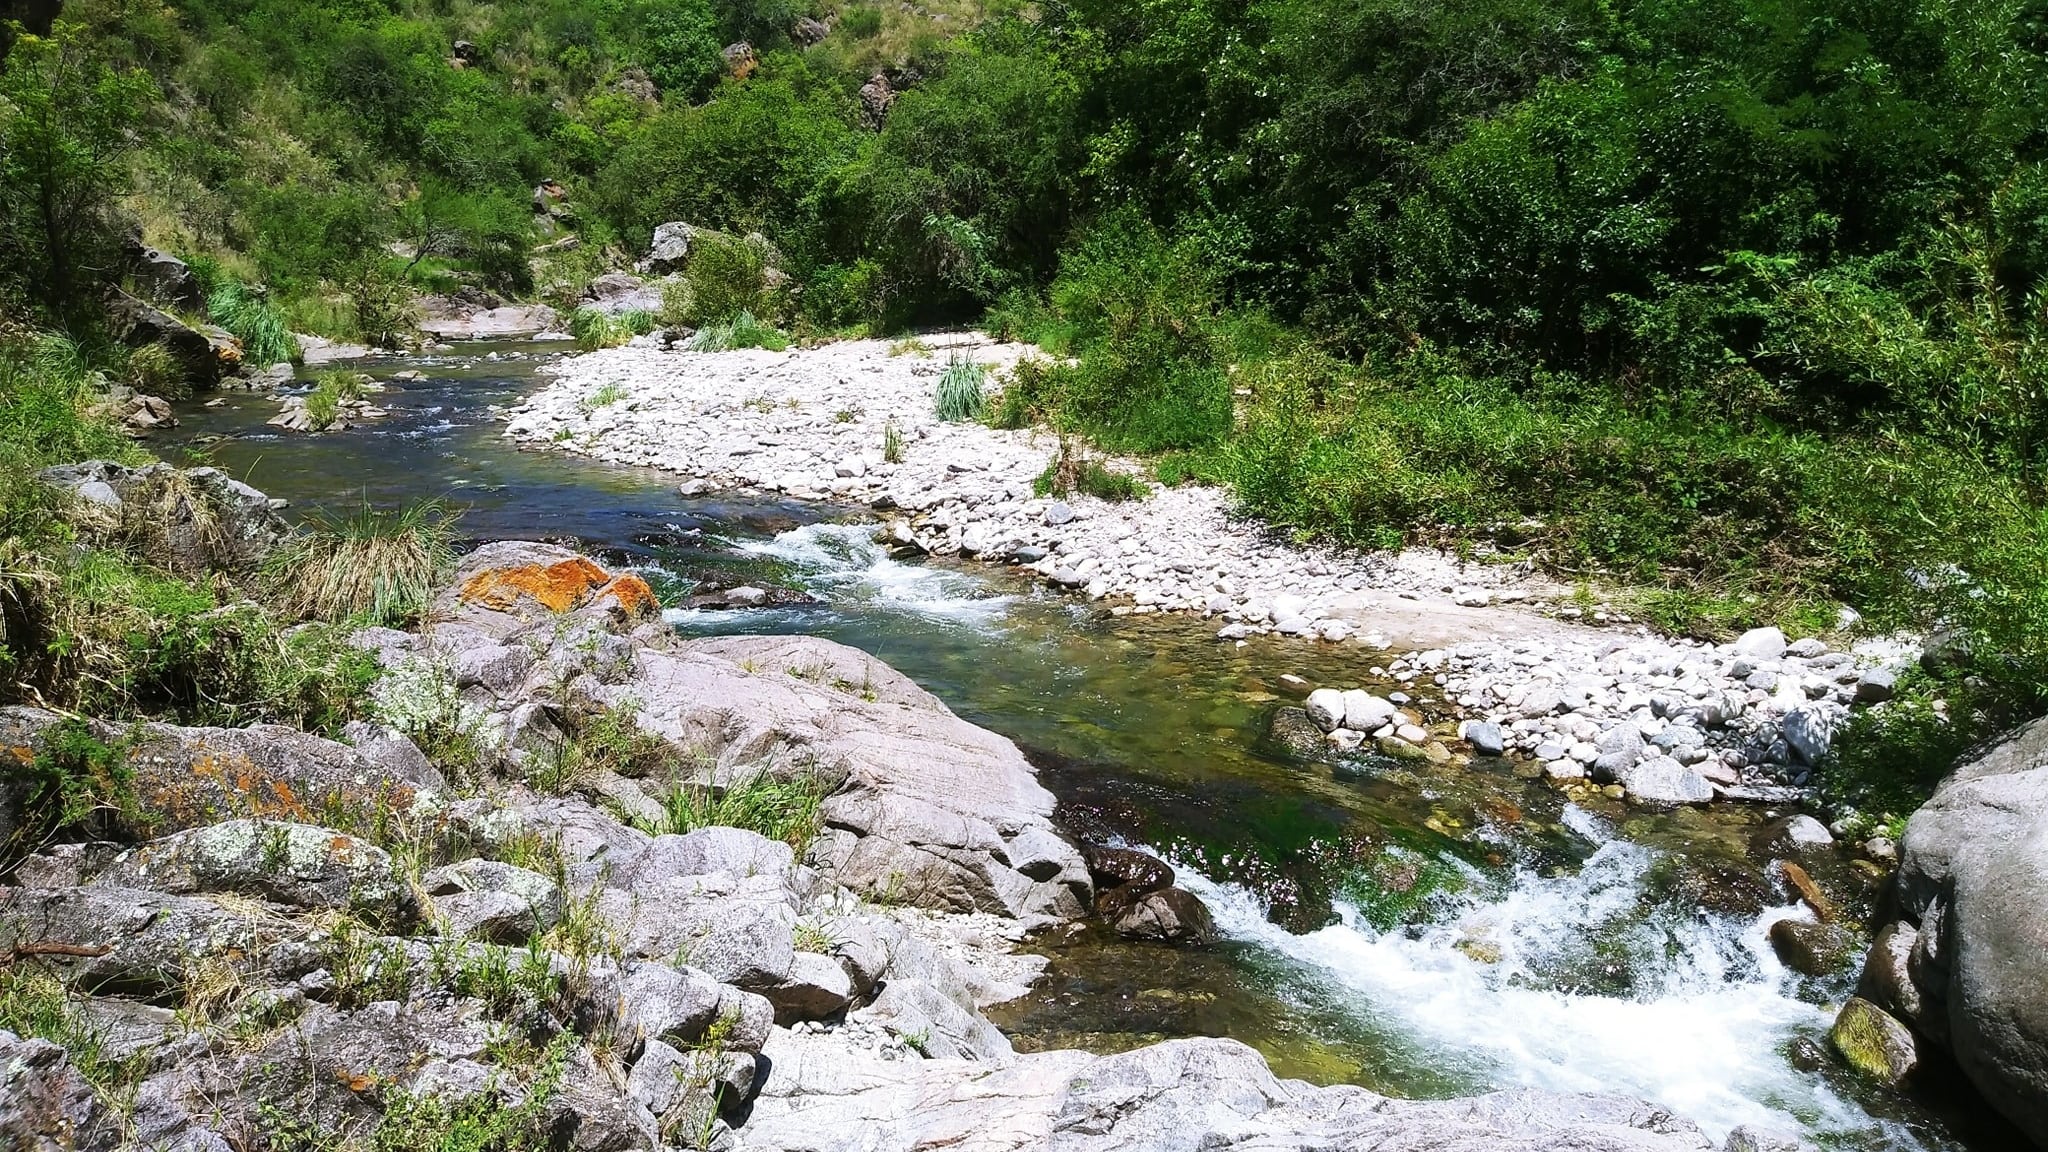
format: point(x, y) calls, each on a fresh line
point(1075, 470)
point(595, 328)
point(741, 330)
point(960, 396)
point(35, 1003)
point(255, 321)
point(785, 810)
point(374, 566)
point(892, 444)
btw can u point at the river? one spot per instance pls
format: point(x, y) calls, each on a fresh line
point(1421, 931)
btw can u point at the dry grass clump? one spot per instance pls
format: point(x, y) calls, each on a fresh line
point(370, 565)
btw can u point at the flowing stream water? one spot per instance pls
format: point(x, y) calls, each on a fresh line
point(1421, 931)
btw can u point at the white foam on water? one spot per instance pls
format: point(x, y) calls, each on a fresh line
point(1702, 1035)
point(842, 562)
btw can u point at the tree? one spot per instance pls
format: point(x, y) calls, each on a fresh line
point(68, 122)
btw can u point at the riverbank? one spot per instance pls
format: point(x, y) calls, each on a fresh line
point(1521, 665)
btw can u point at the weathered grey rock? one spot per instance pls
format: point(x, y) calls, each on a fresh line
point(123, 941)
point(193, 520)
point(657, 1001)
point(734, 851)
point(1800, 833)
point(924, 805)
point(205, 352)
point(1962, 966)
point(186, 777)
point(1663, 780)
point(816, 987)
point(1875, 685)
point(1761, 644)
point(941, 1026)
point(1168, 914)
point(298, 865)
point(1810, 947)
point(670, 251)
point(1485, 737)
point(45, 1105)
point(393, 750)
point(1620, 748)
point(1364, 712)
point(738, 929)
point(1325, 706)
point(1810, 731)
point(493, 901)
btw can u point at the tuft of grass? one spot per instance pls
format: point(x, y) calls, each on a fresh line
point(256, 322)
point(595, 329)
point(785, 810)
point(741, 330)
point(911, 346)
point(1075, 470)
point(960, 396)
point(892, 444)
point(154, 371)
point(371, 565)
point(606, 395)
point(35, 1003)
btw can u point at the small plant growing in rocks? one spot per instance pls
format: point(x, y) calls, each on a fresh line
point(892, 444)
point(960, 395)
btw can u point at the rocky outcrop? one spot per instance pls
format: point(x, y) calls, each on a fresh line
point(1179, 1096)
point(205, 352)
point(1961, 965)
point(921, 807)
point(191, 520)
point(466, 318)
point(181, 777)
point(45, 1105)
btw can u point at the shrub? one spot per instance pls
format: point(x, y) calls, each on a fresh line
point(861, 22)
point(727, 276)
point(372, 566)
point(960, 395)
point(254, 320)
point(154, 371)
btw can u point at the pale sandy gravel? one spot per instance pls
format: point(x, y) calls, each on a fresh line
point(811, 423)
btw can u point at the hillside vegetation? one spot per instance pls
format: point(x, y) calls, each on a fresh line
point(1737, 302)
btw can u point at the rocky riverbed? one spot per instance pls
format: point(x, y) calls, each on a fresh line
point(315, 940)
point(1597, 700)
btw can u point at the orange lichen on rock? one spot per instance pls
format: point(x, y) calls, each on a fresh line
point(558, 587)
point(634, 597)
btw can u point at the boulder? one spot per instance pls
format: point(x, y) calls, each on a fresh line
point(45, 1105)
point(205, 353)
point(1293, 732)
point(124, 941)
point(1168, 914)
point(1962, 961)
point(493, 901)
point(187, 777)
point(192, 520)
point(1662, 780)
point(164, 278)
point(1325, 706)
point(297, 865)
point(1364, 712)
point(924, 807)
point(1761, 644)
point(1874, 1043)
point(670, 251)
point(1484, 736)
point(876, 97)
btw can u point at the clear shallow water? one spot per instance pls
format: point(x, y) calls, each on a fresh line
point(1421, 931)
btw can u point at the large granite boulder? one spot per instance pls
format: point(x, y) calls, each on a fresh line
point(1962, 965)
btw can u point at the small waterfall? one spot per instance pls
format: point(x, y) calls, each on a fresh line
point(842, 563)
point(1570, 982)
